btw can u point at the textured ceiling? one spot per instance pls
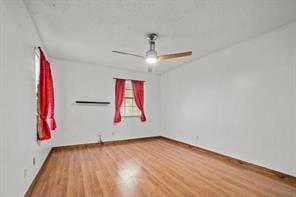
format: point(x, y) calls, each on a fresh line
point(88, 30)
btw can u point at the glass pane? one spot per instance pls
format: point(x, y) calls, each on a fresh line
point(122, 110)
point(136, 111)
point(134, 103)
point(37, 70)
point(128, 102)
point(128, 110)
point(128, 93)
point(128, 85)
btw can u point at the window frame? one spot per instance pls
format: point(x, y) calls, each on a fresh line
point(133, 105)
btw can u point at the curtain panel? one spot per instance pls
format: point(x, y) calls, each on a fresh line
point(138, 90)
point(119, 95)
point(46, 120)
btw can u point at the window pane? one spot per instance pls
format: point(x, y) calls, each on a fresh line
point(134, 103)
point(128, 85)
point(136, 111)
point(128, 93)
point(128, 102)
point(122, 110)
point(37, 70)
point(128, 110)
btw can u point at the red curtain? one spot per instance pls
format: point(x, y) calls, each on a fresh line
point(50, 90)
point(138, 89)
point(46, 121)
point(119, 94)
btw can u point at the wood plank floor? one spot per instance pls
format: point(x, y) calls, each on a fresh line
point(154, 167)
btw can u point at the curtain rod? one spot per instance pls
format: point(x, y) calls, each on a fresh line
point(128, 79)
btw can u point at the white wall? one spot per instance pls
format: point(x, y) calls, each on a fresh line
point(240, 101)
point(79, 123)
point(18, 142)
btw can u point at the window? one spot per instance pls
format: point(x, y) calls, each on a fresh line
point(129, 107)
point(37, 70)
point(37, 73)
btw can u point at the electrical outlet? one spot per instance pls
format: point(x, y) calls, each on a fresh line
point(197, 137)
point(25, 173)
point(113, 133)
point(34, 161)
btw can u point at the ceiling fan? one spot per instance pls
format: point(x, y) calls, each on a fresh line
point(151, 56)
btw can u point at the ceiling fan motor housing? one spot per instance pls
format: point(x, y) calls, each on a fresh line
point(152, 36)
point(151, 53)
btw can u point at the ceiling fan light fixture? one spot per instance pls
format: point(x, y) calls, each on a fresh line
point(151, 57)
point(151, 60)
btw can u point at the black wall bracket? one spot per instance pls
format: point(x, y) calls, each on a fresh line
point(93, 102)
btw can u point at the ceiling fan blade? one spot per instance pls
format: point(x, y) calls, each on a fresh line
point(149, 67)
point(174, 55)
point(124, 53)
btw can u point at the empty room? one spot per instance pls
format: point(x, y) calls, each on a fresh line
point(154, 98)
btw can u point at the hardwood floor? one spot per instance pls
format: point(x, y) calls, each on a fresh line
point(152, 167)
